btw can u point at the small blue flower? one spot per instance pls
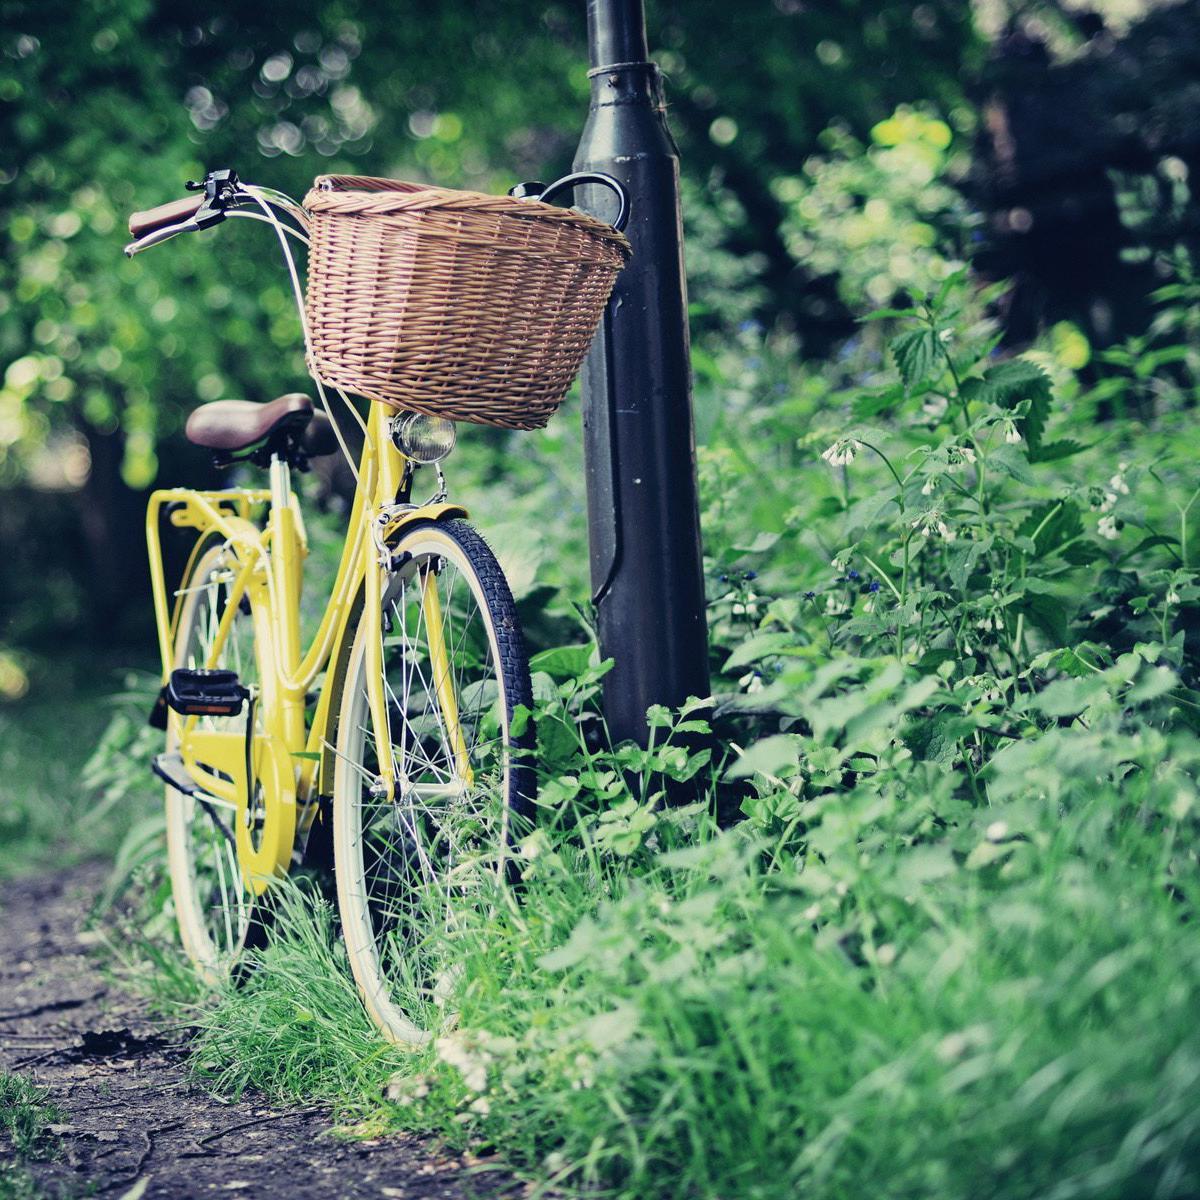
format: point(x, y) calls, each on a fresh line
point(750, 326)
point(853, 576)
point(722, 578)
point(750, 575)
point(810, 595)
point(873, 586)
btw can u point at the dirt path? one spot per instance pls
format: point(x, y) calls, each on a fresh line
point(132, 1113)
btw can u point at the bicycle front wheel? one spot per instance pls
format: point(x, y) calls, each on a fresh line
point(412, 868)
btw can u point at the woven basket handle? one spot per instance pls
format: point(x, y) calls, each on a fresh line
point(537, 191)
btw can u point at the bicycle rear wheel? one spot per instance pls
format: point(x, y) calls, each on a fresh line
point(409, 869)
point(213, 907)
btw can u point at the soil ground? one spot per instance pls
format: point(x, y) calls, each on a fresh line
point(135, 1123)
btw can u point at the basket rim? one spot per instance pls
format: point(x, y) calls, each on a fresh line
point(328, 198)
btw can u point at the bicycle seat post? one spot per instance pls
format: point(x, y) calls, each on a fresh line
point(281, 483)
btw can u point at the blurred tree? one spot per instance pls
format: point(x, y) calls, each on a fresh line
point(1090, 134)
point(109, 105)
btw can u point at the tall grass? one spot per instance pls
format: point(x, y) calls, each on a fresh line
point(708, 1027)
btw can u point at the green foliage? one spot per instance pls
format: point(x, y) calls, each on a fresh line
point(886, 219)
point(26, 1115)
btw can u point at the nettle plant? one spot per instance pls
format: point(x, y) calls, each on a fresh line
point(990, 579)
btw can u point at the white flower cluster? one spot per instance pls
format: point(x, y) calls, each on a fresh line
point(1107, 527)
point(842, 452)
point(751, 682)
point(406, 1089)
point(933, 522)
point(467, 1056)
point(988, 686)
point(1117, 487)
point(1012, 435)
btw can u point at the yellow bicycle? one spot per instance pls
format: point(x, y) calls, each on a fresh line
point(391, 734)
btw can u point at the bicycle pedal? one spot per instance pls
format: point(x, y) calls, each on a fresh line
point(215, 693)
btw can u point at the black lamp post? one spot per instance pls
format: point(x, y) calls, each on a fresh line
point(647, 571)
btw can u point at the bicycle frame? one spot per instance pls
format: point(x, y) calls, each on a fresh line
point(292, 760)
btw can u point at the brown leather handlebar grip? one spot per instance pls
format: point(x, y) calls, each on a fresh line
point(142, 223)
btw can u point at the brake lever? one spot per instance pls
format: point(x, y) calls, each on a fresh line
point(161, 235)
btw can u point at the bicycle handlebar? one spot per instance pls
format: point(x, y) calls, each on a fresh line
point(153, 219)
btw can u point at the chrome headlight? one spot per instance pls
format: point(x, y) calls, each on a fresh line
point(422, 438)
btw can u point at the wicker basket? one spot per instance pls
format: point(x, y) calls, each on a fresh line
point(460, 305)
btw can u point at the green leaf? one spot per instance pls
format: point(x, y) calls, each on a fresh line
point(871, 404)
point(1048, 613)
point(1069, 697)
point(1148, 543)
point(658, 716)
point(935, 739)
point(929, 662)
point(760, 646)
point(1056, 451)
point(1078, 663)
point(1152, 683)
point(915, 352)
point(586, 938)
point(1054, 523)
point(768, 756)
point(948, 284)
point(1010, 383)
point(763, 540)
point(987, 853)
point(1012, 462)
point(520, 721)
point(964, 557)
point(889, 314)
point(1080, 554)
point(562, 662)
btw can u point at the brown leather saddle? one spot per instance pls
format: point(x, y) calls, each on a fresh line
point(243, 429)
